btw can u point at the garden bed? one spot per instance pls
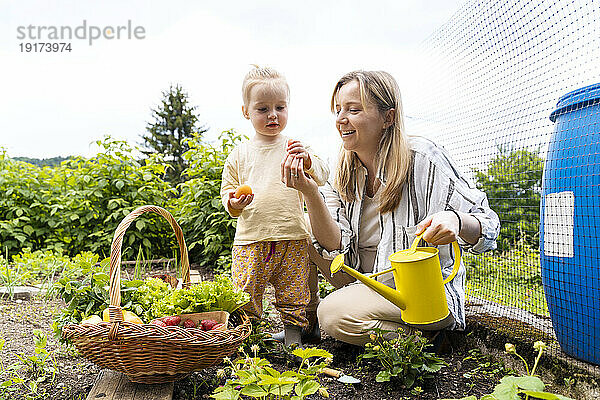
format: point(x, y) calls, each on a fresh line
point(75, 375)
point(469, 372)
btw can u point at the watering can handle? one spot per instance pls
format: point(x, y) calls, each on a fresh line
point(456, 263)
point(456, 248)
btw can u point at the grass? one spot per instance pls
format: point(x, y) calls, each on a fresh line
point(9, 278)
point(42, 269)
point(511, 278)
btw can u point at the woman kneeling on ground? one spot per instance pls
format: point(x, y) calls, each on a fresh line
point(387, 188)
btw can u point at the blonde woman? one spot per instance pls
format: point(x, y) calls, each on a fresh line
point(387, 188)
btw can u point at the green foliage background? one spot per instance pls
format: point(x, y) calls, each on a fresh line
point(513, 182)
point(77, 205)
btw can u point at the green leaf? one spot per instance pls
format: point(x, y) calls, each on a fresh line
point(281, 390)
point(311, 352)
point(253, 390)
point(6, 383)
point(432, 367)
point(120, 184)
point(507, 389)
point(409, 379)
point(139, 224)
point(246, 377)
point(544, 395)
point(271, 371)
point(529, 383)
point(272, 380)
point(226, 393)
point(383, 376)
point(306, 387)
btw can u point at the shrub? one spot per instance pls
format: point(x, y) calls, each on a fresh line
point(77, 206)
point(24, 198)
point(209, 230)
point(512, 181)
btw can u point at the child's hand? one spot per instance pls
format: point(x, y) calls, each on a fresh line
point(297, 149)
point(241, 202)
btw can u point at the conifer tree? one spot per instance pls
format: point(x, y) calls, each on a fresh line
point(175, 120)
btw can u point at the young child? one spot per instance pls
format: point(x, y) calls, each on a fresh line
point(270, 244)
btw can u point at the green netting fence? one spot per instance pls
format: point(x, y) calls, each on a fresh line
point(491, 78)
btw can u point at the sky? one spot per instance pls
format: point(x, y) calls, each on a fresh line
point(59, 104)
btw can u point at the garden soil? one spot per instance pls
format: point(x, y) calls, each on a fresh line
point(468, 372)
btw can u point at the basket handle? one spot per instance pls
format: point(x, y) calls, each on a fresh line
point(115, 254)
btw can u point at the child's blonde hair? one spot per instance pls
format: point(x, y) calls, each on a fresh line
point(263, 75)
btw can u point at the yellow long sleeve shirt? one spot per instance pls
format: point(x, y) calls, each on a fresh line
point(277, 212)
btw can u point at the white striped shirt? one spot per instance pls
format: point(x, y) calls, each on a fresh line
point(433, 185)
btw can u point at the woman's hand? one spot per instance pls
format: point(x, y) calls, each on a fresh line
point(293, 176)
point(440, 228)
point(323, 227)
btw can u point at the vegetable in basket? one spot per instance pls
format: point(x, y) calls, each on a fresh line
point(149, 299)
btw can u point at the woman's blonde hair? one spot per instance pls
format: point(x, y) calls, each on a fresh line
point(263, 75)
point(393, 155)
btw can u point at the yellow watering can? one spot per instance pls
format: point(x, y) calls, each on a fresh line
point(418, 278)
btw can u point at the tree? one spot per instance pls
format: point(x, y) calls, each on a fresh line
point(175, 121)
point(512, 183)
point(49, 162)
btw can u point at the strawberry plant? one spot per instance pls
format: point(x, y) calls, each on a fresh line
point(526, 386)
point(83, 298)
point(255, 377)
point(402, 357)
point(31, 370)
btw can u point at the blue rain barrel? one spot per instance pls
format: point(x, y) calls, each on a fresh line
point(570, 223)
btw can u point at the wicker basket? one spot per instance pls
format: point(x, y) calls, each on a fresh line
point(148, 353)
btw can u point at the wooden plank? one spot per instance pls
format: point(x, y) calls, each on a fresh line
point(162, 391)
point(105, 385)
point(112, 385)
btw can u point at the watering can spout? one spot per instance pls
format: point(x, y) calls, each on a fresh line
point(390, 294)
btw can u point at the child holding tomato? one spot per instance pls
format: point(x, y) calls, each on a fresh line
point(270, 244)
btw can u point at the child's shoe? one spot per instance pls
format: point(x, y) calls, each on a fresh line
point(310, 335)
point(293, 335)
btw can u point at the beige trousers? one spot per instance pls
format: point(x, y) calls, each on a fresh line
point(349, 312)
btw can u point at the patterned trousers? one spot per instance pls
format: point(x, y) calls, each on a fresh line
point(284, 264)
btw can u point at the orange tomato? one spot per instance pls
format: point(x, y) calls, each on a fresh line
point(243, 190)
